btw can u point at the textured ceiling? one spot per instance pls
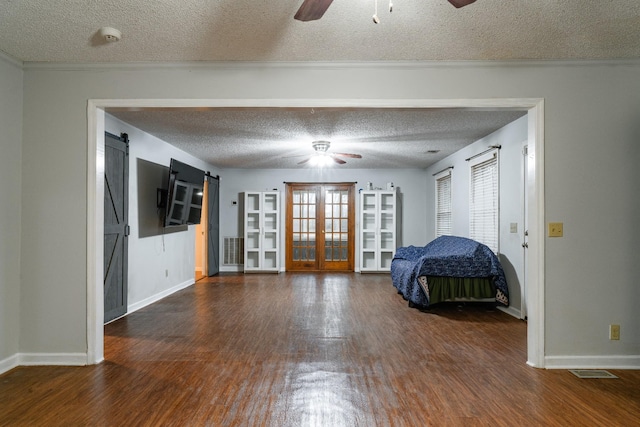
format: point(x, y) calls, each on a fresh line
point(264, 30)
point(67, 31)
point(282, 137)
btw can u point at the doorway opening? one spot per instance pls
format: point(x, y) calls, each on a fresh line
point(201, 255)
point(535, 194)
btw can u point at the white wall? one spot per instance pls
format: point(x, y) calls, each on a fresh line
point(10, 210)
point(591, 146)
point(408, 182)
point(160, 260)
point(510, 138)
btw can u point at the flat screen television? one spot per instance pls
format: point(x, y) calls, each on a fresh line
point(184, 195)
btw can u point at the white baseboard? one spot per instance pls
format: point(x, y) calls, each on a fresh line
point(77, 359)
point(157, 297)
point(53, 359)
point(511, 311)
point(8, 364)
point(42, 359)
point(592, 362)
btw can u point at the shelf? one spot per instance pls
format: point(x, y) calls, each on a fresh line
point(262, 231)
point(378, 224)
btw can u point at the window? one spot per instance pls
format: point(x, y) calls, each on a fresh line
point(443, 203)
point(483, 203)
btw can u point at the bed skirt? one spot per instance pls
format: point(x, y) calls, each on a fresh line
point(440, 289)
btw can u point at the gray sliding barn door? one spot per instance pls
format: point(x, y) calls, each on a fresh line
point(116, 229)
point(213, 234)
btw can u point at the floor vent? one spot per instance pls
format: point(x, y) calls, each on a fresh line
point(592, 373)
point(233, 253)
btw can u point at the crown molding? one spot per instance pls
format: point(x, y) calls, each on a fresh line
point(11, 60)
point(340, 65)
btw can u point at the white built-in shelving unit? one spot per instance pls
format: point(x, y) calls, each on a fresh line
point(262, 231)
point(378, 228)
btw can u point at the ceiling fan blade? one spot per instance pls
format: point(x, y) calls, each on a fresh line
point(338, 161)
point(350, 155)
point(461, 3)
point(304, 161)
point(312, 10)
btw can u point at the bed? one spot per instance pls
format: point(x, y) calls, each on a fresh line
point(449, 268)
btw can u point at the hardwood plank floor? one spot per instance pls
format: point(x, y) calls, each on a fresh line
point(302, 349)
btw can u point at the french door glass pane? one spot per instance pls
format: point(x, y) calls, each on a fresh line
point(336, 221)
point(304, 225)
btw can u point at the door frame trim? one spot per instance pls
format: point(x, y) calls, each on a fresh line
point(95, 191)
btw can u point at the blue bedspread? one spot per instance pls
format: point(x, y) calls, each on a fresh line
point(448, 256)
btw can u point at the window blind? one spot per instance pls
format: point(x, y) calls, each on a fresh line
point(483, 203)
point(443, 204)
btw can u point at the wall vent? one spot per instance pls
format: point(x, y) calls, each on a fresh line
point(233, 252)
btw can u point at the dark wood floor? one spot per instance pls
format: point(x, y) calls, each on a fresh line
point(312, 350)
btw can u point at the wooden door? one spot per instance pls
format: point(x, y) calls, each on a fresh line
point(320, 229)
point(116, 229)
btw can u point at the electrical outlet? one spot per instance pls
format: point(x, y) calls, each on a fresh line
point(614, 332)
point(555, 229)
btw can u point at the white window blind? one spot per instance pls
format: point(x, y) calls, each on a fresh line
point(443, 203)
point(483, 203)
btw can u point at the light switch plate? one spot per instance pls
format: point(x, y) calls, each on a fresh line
point(513, 227)
point(614, 332)
point(555, 229)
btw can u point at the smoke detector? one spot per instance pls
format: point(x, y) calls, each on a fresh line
point(110, 34)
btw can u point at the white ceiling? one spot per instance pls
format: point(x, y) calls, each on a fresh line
point(153, 31)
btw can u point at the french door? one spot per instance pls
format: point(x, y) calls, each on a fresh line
point(320, 227)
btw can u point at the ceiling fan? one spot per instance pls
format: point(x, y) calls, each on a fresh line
point(314, 9)
point(322, 154)
point(461, 3)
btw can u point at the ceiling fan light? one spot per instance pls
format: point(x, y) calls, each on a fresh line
point(322, 157)
point(320, 160)
point(321, 146)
